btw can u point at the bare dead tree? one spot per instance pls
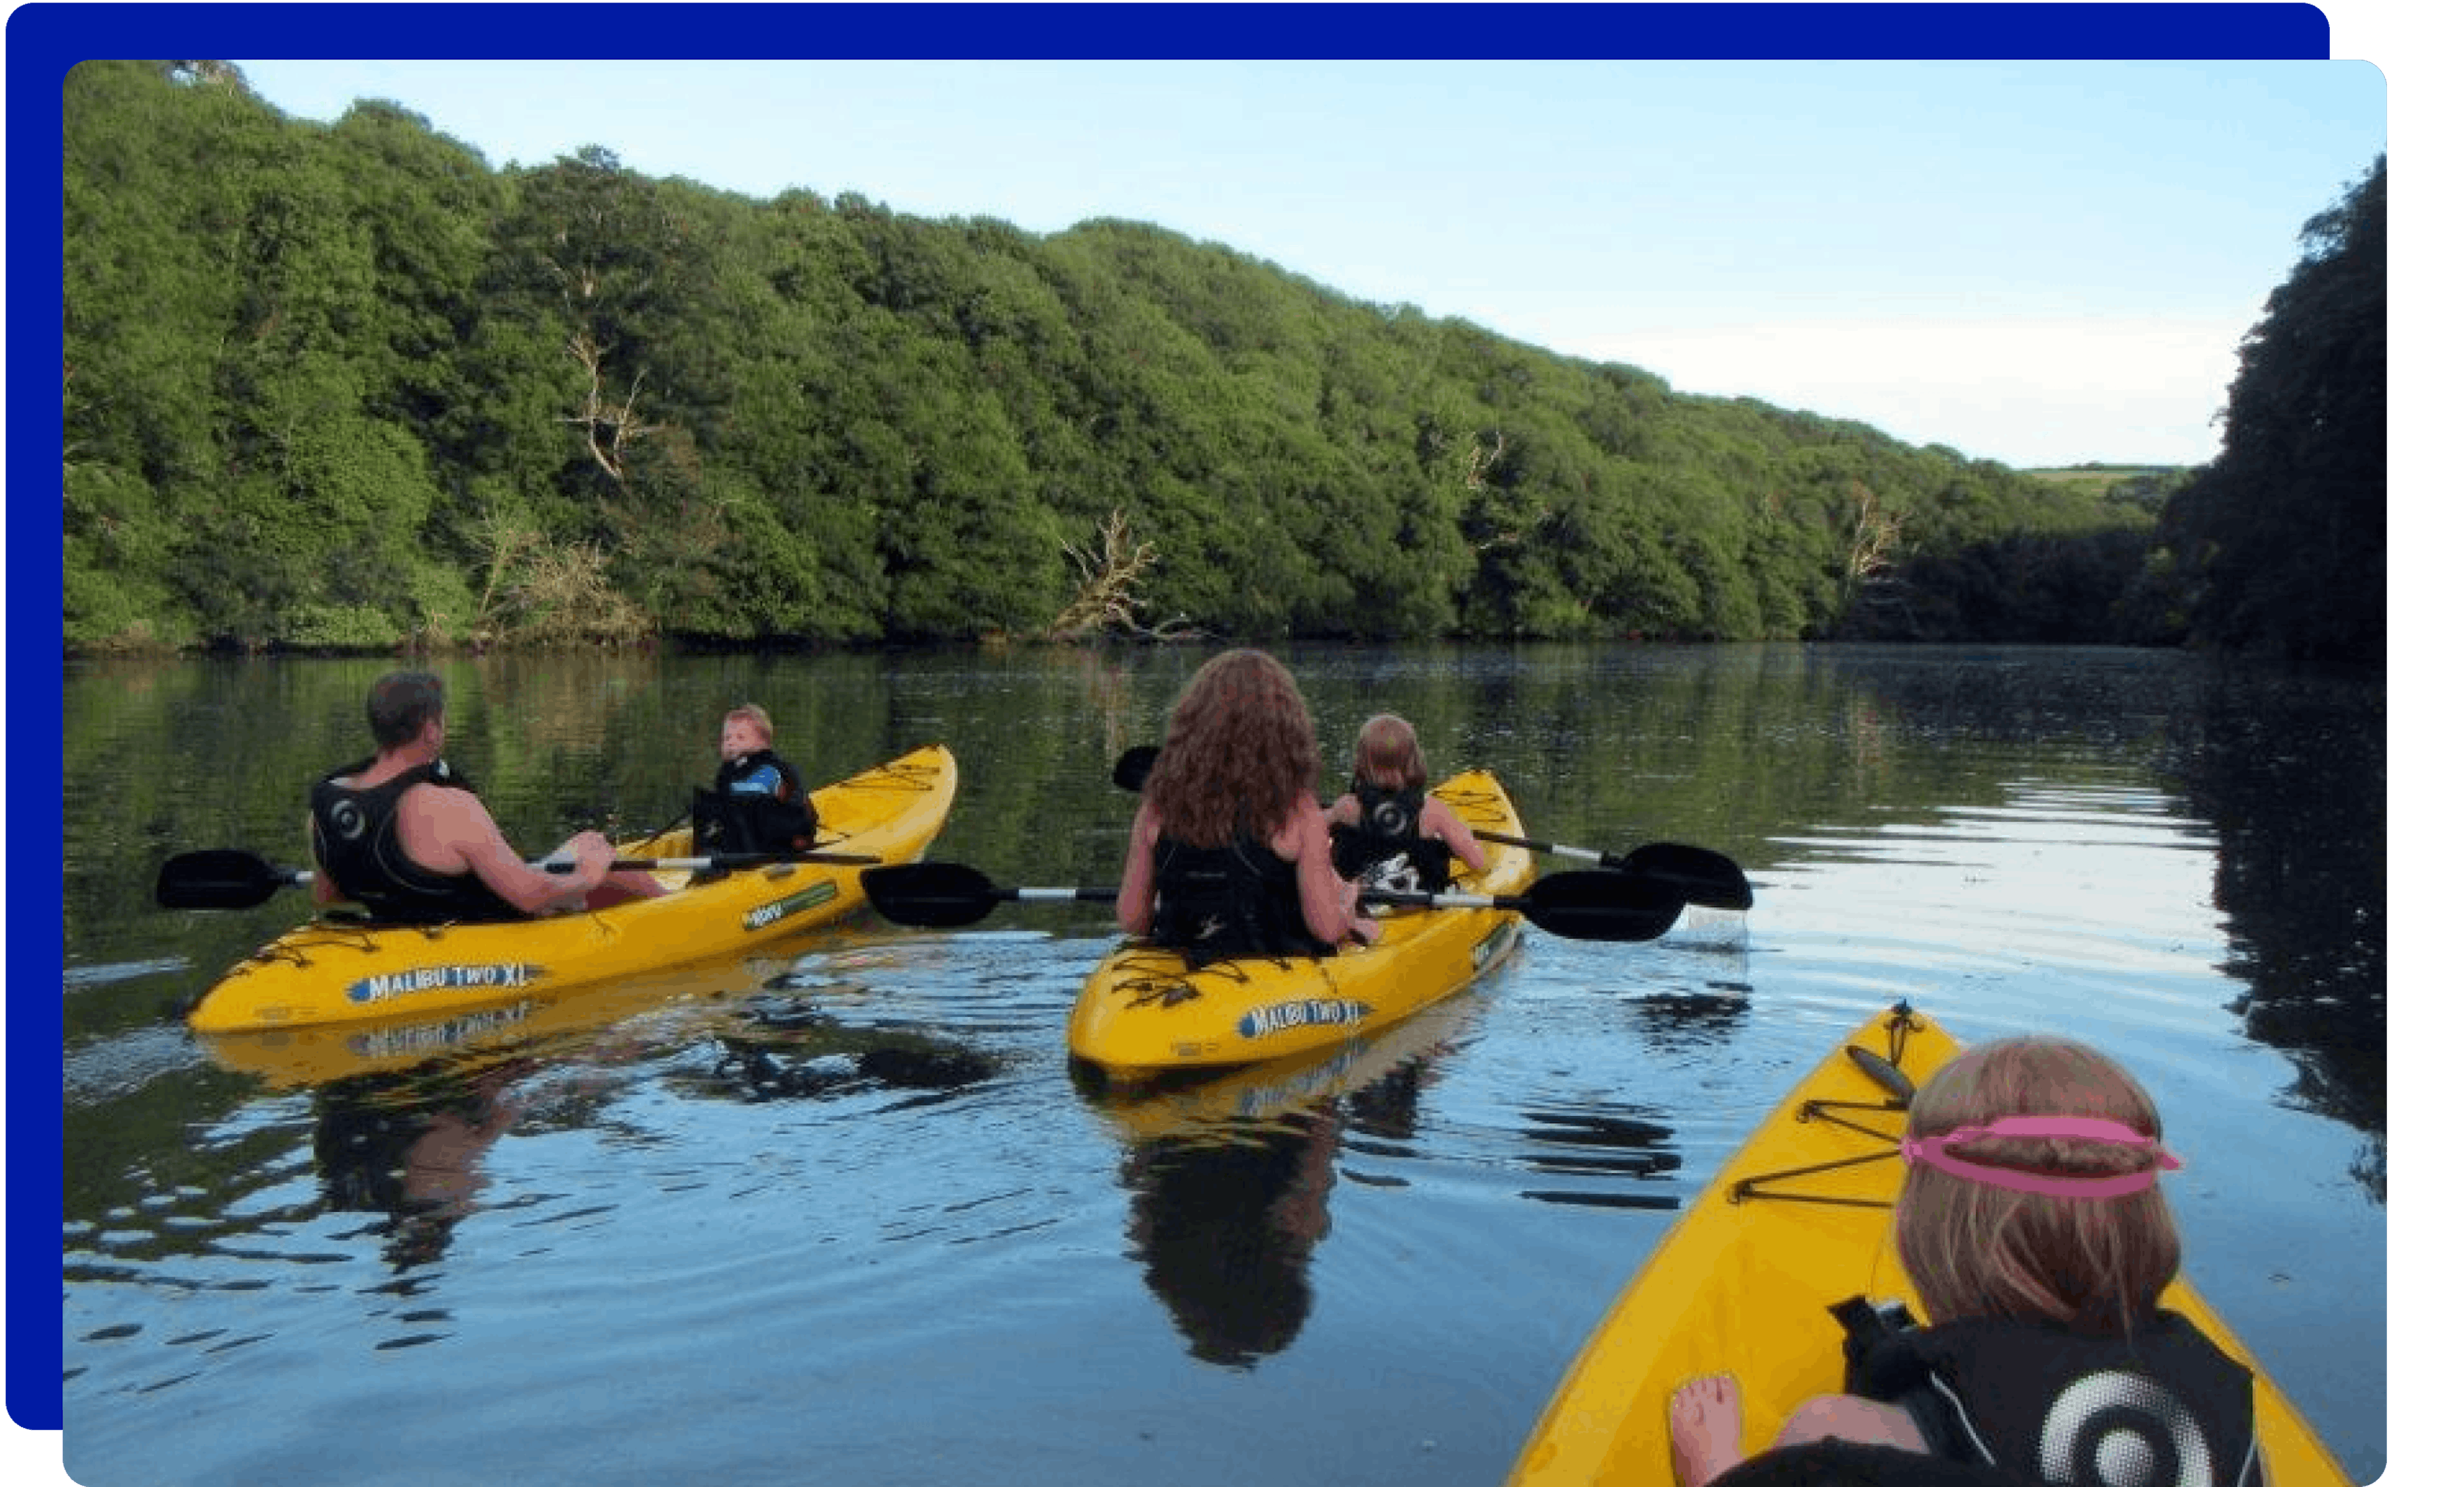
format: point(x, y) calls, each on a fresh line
point(1484, 460)
point(1871, 541)
point(616, 424)
point(1108, 574)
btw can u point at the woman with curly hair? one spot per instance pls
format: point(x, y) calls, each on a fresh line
point(1229, 853)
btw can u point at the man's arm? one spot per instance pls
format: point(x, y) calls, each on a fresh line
point(453, 824)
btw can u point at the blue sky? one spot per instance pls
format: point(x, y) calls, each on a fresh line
point(2035, 262)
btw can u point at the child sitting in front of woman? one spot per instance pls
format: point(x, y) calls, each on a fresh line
point(1389, 831)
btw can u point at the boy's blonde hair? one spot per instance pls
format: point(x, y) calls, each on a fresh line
point(1388, 755)
point(1973, 1249)
point(752, 713)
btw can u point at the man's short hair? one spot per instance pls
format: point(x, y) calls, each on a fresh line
point(399, 705)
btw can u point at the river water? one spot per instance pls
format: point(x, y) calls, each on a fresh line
point(839, 1212)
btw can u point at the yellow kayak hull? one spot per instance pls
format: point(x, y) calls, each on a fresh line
point(1143, 1013)
point(334, 971)
point(1743, 1287)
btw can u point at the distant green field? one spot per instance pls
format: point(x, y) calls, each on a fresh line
point(2100, 478)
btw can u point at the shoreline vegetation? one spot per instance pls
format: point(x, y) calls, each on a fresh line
point(347, 389)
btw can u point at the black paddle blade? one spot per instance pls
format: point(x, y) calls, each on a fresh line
point(220, 878)
point(1131, 770)
point(930, 895)
point(1702, 875)
point(1600, 905)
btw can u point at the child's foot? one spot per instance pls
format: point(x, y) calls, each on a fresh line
point(1706, 1428)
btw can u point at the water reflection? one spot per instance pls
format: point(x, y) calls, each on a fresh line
point(1223, 1224)
point(411, 1149)
point(2292, 771)
point(1230, 1178)
point(788, 1051)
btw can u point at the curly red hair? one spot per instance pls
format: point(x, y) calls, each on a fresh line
point(1240, 749)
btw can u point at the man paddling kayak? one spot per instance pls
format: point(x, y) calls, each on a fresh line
point(402, 835)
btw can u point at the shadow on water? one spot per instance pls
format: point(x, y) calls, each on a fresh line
point(2292, 771)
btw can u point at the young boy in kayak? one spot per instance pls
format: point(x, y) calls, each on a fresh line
point(400, 834)
point(758, 803)
point(2032, 1227)
point(1388, 830)
point(1228, 853)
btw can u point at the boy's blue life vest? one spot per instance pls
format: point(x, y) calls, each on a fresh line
point(353, 834)
point(757, 804)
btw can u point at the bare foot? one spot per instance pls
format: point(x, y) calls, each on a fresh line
point(1706, 1428)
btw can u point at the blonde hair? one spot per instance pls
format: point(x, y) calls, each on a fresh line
point(1240, 749)
point(1973, 1249)
point(1388, 755)
point(752, 713)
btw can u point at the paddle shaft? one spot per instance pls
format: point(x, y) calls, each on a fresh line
point(1580, 854)
point(229, 878)
point(1584, 904)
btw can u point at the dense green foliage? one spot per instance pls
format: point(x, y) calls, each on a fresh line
point(2279, 546)
point(346, 386)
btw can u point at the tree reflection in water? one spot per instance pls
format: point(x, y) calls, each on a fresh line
point(2291, 771)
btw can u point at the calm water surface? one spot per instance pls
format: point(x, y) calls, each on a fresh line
point(840, 1213)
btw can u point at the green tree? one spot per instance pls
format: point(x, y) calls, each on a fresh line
point(2281, 542)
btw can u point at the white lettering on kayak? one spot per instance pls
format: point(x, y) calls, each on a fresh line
point(771, 914)
point(1308, 1011)
point(390, 984)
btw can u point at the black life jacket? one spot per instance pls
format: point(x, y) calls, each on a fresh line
point(730, 819)
point(2163, 1407)
point(353, 834)
point(1386, 842)
point(1217, 903)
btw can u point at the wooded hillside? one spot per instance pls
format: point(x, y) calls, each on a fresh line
point(347, 386)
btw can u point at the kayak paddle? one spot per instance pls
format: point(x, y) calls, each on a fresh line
point(1704, 876)
point(229, 878)
point(1580, 905)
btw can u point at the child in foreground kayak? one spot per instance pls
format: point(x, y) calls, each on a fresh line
point(2032, 1227)
point(1388, 830)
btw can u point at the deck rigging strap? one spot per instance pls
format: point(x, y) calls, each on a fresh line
point(1887, 1074)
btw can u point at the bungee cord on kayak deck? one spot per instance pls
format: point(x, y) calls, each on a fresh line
point(1883, 1071)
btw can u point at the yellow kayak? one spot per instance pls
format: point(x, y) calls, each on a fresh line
point(1741, 1284)
point(334, 970)
point(1258, 1095)
point(303, 1054)
point(1143, 1013)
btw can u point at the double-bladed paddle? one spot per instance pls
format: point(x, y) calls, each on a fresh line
point(229, 878)
point(1580, 905)
point(1702, 875)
